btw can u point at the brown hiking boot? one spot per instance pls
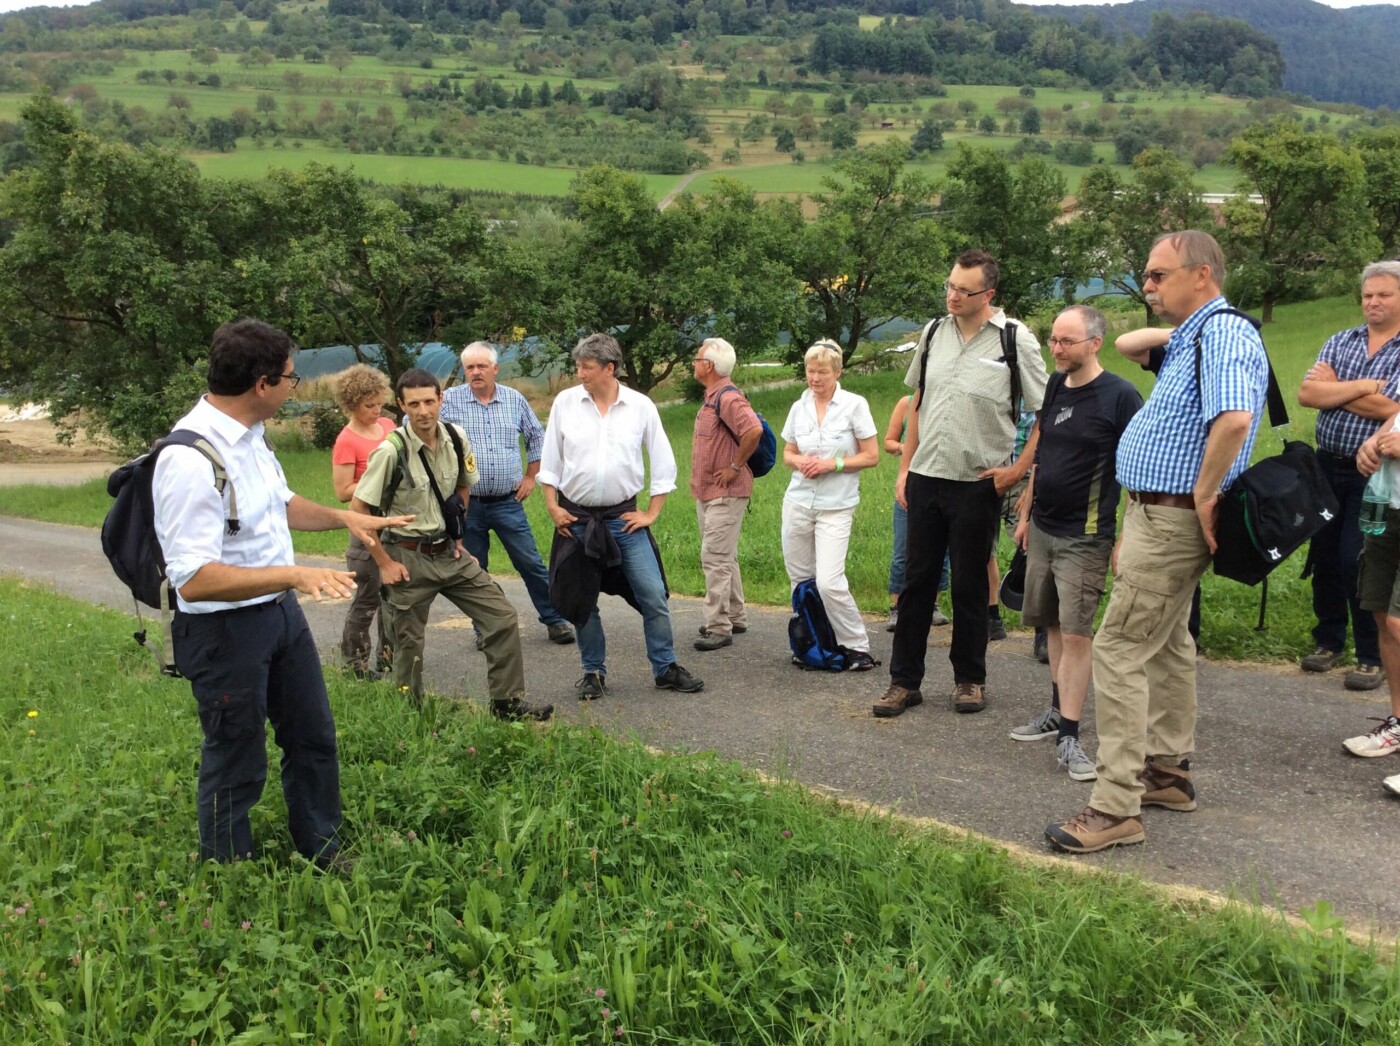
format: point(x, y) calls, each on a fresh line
point(969, 697)
point(1168, 786)
point(1090, 831)
point(895, 701)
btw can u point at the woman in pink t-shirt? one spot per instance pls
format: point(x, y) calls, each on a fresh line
point(361, 393)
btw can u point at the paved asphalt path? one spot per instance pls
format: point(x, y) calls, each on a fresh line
point(1286, 817)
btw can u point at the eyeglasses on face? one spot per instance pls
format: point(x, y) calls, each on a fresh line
point(953, 288)
point(1158, 275)
point(1064, 343)
point(293, 379)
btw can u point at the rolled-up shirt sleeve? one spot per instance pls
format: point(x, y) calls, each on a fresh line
point(552, 450)
point(189, 513)
point(663, 459)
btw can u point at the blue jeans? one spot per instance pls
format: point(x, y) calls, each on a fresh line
point(507, 519)
point(901, 530)
point(644, 575)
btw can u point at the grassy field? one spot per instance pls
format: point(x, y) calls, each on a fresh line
point(1229, 609)
point(556, 885)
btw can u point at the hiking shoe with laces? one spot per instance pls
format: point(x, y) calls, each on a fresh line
point(1090, 831)
point(896, 701)
point(1071, 756)
point(996, 630)
point(1321, 660)
point(712, 641)
point(678, 679)
point(1383, 740)
point(1169, 787)
point(969, 697)
point(515, 710)
point(1041, 647)
point(1364, 677)
point(590, 687)
point(1047, 724)
point(737, 630)
point(562, 633)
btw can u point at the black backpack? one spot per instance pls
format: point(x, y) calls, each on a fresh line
point(810, 635)
point(129, 534)
point(1008, 356)
point(1275, 505)
point(400, 443)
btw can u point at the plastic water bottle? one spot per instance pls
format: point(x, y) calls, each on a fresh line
point(1374, 502)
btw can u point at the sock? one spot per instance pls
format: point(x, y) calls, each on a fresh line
point(1055, 696)
point(994, 613)
point(1068, 728)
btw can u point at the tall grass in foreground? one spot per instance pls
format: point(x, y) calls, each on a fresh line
point(555, 885)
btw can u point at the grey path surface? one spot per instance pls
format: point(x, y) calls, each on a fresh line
point(1286, 817)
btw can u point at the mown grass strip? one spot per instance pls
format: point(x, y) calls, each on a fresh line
point(532, 885)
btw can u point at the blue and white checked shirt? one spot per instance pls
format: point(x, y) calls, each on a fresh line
point(1339, 431)
point(1163, 446)
point(494, 429)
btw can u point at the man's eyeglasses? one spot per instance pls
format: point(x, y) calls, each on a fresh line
point(1064, 343)
point(294, 379)
point(1158, 275)
point(952, 288)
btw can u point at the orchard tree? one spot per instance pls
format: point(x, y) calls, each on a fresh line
point(1380, 154)
point(872, 254)
point(1118, 218)
point(1312, 230)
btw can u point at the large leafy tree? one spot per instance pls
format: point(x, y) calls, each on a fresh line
point(1013, 213)
point(659, 281)
point(1311, 230)
point(1380, 154)
point(1118, 218)
point(873, 253)
point(118, 271)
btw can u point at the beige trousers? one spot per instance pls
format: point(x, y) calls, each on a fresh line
point(1144, 657)
point(720, 520)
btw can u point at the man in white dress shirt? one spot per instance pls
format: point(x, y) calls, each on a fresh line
point(591, 470)
point(239, 634)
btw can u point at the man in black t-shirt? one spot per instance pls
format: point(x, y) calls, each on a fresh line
point(1068, 528)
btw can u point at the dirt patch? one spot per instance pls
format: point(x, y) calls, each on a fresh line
point(37, 441)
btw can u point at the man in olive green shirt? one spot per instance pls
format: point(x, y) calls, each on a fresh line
point(420, 561)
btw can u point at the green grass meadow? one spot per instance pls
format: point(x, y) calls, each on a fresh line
point(555, 885)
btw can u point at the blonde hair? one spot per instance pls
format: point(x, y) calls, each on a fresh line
point(354, 384)
point(824, 353)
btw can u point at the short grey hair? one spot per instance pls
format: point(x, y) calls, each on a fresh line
point(824, 353)
point(1094, 321)
point(1197, 248)
point(601, 349)
point(1381, 268)
point(480, 346)
point(720, 353)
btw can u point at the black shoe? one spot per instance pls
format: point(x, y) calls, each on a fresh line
point(996, 630)
point(677, 678)
point(1042, 647)
point(713, 641)
point(515, 710)
point(590, 687)
point(737, 630)
point(562, 633)
point(860, 661)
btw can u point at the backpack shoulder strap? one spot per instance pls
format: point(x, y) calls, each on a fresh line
point(192, 439)
point(400, 445)
point(720, 417)
point(1008, 355)
point(925, 343)
point(1278, 409)
point(457, 446)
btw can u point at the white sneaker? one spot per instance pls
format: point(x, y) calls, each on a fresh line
point(1383, 740)
point(1392, 784)
point(1046, 724)
point(1073, 759)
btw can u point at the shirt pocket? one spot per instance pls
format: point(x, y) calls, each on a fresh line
point(985, 379)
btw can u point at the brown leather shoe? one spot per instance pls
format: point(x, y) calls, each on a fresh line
point(895, 701)
point(969, 697)
point(1168, 786)
point(1090, 831)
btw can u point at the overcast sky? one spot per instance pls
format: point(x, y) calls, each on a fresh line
point(15, 5)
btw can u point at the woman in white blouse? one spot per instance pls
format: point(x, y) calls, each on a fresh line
point(829, 437)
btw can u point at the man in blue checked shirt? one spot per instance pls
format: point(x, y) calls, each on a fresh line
point(1189, 442)
point(1353, 386)
point(494, 418)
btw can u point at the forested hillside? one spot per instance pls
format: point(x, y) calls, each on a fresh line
point(1350, 55)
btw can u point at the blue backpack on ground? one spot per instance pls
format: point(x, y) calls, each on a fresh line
point(765, 455)
point(813, 642)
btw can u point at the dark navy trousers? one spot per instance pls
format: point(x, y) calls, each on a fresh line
point(248, 666)
point(1336, 549)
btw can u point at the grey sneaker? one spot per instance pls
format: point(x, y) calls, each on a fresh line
point(1321, 660)
point(562, 633)
point(1047, 724)
point(1364, 677)
point(940, 619)
point(1073, 759)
